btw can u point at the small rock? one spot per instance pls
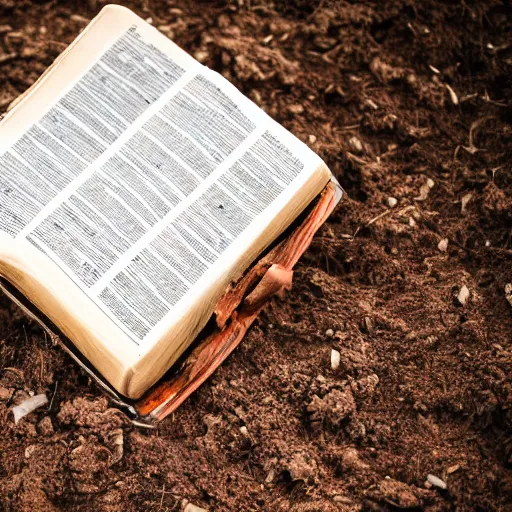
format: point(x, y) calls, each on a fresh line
point(202, 56)
point(436, 482)
point(355, 145)
point(244, 431)
point(329, 333)
point(392, 202)
point(29, 450)
point(312, 139)
point(193, 508)
point(443, 245)
point(335, 359)
point(463, 295)
point(296, 109)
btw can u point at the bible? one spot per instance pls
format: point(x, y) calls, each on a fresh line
point(138, 189)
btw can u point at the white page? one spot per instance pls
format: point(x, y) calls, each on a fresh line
point(142, 177)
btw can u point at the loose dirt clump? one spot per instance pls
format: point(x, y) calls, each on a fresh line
point(409, 103)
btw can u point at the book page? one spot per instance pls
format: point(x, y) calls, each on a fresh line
point(142, 176)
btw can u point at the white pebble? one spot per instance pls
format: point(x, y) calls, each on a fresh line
point(463, 295)
point(356, 145)
point(436, 482)
point(335, 359)
point(193, 508)
point(329, 333)
point(392, 202)
point(430, 183)
point(443, 245)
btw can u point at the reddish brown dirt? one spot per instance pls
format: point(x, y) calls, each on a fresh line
point(424, 386)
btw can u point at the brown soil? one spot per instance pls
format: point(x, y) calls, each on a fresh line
point(424, 386)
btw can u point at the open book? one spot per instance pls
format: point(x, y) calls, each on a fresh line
point(135, 186)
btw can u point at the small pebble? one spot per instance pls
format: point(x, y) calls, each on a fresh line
point(436, 482)
point(329, 333)
point(29, 450)
point(335, 359)
point(463, 295)
point(244, 431)
point(443, 245)
point(430, 183)
point(296, 109)
point(193, 508)
point(392, 202)
point(355, 144)
point(312, 139)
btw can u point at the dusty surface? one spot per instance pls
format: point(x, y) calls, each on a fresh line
point(391, 94)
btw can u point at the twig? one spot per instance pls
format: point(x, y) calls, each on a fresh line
point(375, 219)
point(8, 57)
point(53, 396)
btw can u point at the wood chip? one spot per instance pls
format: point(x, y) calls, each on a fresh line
point(452, 469)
